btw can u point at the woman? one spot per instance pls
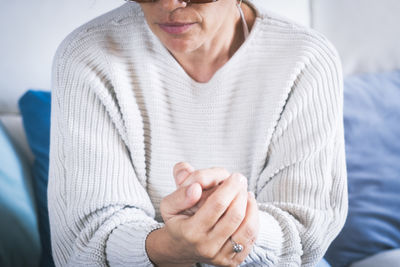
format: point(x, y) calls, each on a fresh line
point(150, 97)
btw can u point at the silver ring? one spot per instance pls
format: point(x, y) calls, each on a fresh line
point(236, 247)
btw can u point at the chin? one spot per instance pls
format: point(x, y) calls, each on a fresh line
point(180, 45)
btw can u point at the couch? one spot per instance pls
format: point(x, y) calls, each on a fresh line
point(365, 34)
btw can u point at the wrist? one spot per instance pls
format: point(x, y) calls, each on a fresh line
point(163, 251)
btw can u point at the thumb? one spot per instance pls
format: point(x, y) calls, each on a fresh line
point(181, 171)
point(181, 199)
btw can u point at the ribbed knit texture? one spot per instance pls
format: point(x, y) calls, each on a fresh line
point(124, 112)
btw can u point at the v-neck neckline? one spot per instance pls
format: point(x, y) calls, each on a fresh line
point(217, 76)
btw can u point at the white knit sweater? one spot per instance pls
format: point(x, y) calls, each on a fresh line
point(124, 112)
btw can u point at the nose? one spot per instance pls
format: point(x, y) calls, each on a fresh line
point(170, 5)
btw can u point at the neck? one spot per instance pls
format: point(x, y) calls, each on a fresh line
point(202, 64)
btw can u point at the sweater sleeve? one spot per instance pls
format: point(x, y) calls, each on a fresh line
point(100, 213)
point(302, 191)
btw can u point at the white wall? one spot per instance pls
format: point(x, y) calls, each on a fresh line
point(31, 31)
point(366, 33)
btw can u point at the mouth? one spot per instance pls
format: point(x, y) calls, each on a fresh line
point(175, 28)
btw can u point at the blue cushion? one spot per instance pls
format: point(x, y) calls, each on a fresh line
point(372, 133)
point(35, 110)
point(19, 242)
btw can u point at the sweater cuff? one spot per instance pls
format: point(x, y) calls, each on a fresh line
point(269, 241)
point(126, 245)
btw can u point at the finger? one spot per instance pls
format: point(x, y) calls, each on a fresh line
point(204, 195)
point(230, 220)
point(246, 233)
point(217, 203)
point(181, 171)
point(180, 200)
point(207, 178)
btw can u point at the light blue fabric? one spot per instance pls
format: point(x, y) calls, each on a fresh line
point(19, 236)
point(35, 110)
point(387, 258)
point(323, 263)
point(372, 133)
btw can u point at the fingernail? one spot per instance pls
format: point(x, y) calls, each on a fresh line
point(190, 190)
point(181, 176)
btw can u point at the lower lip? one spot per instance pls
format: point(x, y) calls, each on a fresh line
point(175, 29)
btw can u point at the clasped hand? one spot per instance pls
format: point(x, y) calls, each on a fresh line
point(210, 210)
